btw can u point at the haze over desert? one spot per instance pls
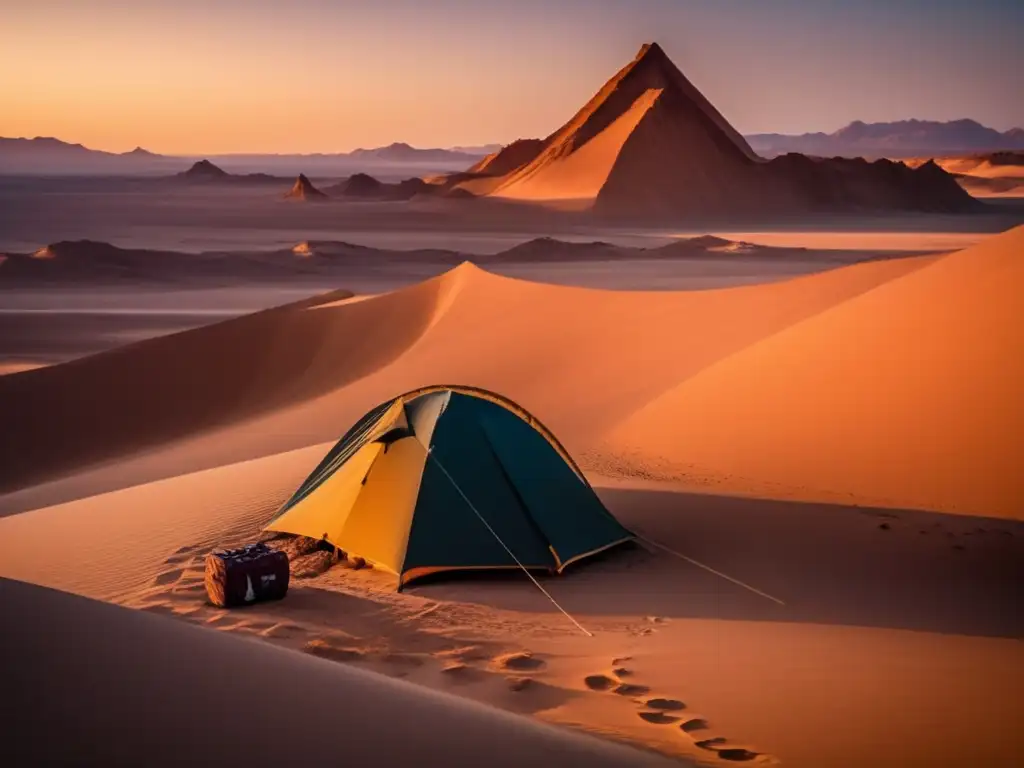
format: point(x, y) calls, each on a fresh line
point(669, 421)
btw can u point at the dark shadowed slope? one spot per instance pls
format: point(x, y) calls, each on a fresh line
point(126, 688)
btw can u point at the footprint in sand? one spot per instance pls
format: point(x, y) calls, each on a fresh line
point(696, 724)
point(181, 555)
point(666, 705)
point(168, 577)
point(737, 754)
point(599, 682)
point(517, 684)
point(658, 718)
point(657, 712)
point(712, 745)
point(519, 662)
point(628, 689)
point(720, 747)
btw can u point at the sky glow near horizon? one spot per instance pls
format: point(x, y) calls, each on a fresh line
point(220, 76)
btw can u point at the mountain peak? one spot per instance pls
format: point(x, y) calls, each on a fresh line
point(204, 169)
point(303, 189)
point(650, 50)
point(653, 62)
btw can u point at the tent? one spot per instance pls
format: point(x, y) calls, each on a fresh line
point(451, 478)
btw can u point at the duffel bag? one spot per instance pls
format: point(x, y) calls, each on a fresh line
point(251, 574)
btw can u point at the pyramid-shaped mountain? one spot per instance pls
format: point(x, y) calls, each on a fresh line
point(204, 169)
point(304, 190)
point(650, 144)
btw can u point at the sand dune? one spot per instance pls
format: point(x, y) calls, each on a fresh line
point(467, 326)
point(173, 695)
point(995, 174)
point(905, 396)
point(152, 392)
point(994, 165)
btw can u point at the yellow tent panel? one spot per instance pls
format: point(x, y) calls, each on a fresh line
point(327, 511)
point(378, 526)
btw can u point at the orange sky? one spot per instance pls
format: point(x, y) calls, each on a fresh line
point(312, 75)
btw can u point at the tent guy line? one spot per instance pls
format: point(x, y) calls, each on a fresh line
point(707, 568)
point(432, 457)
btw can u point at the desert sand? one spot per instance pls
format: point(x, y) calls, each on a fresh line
point(904, 397)
point(996, 174)
point(867, 492)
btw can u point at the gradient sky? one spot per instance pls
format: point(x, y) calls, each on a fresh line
point(210, 76)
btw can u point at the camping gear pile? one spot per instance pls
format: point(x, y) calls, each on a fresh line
point(251, 574)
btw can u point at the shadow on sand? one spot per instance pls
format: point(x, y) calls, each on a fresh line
point(830, 564)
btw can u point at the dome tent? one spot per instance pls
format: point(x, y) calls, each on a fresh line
point(451, 478)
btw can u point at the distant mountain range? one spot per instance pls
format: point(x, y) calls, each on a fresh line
point(53, 157)
point(906, 138)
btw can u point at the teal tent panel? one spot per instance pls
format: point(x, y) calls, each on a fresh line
point(445, 531)
point(566, 509)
